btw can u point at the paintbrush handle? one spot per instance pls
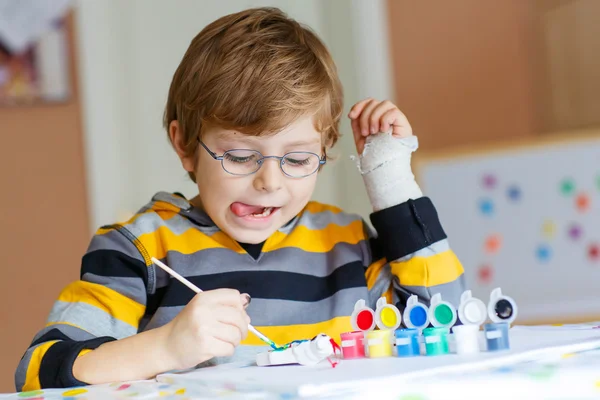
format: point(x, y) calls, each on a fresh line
point(196, 289)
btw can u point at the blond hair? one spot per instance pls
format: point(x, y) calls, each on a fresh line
point(254, 71)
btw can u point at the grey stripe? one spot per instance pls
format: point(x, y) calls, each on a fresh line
point(113, 240)
point(172, 199)
point(132, 288)
point(163, 316)
point(151, 221)
point(431, 250)
point(320, 220)
point(96, 321)
point(381, 286)
point(450, 291)
point(287, 259)
point(275, 312)
point(21, 372)
point(71, 331)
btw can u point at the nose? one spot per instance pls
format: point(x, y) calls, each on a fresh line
point(269, 178)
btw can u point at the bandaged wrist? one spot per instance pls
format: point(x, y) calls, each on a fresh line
point(385, 166)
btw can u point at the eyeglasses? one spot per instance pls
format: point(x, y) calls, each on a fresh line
point(296, 164)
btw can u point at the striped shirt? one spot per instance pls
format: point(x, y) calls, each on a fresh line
point(305, 280)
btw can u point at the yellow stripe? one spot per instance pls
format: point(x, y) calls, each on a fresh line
point(314, 207)
point(373, 272)
point(157, 243)
point(111, 302)
point(32, 377)
point(316, 241)
point(428, 271)
point(288, 333)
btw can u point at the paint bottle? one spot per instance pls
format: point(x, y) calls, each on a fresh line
point(502, 310)
point(436, 341)
point(363, 317)
point(407, 342)
point(415, 314)
point(379, 343)
point(472, 312)
point(442, 314)
point(353, 345)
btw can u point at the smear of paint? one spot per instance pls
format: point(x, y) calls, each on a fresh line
point(485, 274)
point(594, 252)
point(567, 186)
point(543, 253)
point(486, 206)
point(575, 231)
point(489, 181)
point(582, 201)
point(493, 244)
point(549, 229)
point(514, 193)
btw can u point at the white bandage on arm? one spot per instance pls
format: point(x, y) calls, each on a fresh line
point(386, 170)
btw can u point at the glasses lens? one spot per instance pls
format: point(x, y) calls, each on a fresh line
point(241, 162)
point(300, 164)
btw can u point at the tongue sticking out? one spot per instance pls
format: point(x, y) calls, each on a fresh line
point(243, 210)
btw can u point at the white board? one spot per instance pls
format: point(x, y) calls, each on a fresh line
point(528, 220)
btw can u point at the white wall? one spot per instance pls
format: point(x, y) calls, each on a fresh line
point(129, 51)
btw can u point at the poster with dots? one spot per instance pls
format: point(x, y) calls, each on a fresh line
point(526, 219)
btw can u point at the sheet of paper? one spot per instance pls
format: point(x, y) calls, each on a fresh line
point(23, 22)
point(526, 344)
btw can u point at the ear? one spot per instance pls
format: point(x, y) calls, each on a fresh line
point(188, 161)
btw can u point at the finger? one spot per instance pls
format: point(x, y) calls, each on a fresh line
point(227, 333)
point(233, 317)
point(365, 117)
point(359, 139)
point(358, 107)
point(398, 121)
point(221, 348)
point(376, 123)
point(246, 299)
point(228, 297)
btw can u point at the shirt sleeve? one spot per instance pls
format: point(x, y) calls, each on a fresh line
point(107, 303)
point(411, 255)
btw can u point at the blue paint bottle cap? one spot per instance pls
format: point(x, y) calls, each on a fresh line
point(387, 316)
point(442, 314)
point(415, 314)
point(501, 308)
point(471, 311)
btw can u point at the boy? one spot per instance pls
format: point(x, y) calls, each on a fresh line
point(252, 110)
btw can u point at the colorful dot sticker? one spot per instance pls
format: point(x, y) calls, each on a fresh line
point(543, 253)
point(485, 274)
point(582, 202)
point(594, 252)
point(548, 229)
point(489, 181)
point(514, 193)
point(567, 186)
point(575, 231)
point(443, 314)
point(486, 206)
point(493, 244)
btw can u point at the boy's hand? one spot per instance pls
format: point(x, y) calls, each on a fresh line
point(371, 116)
point(212, 325)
